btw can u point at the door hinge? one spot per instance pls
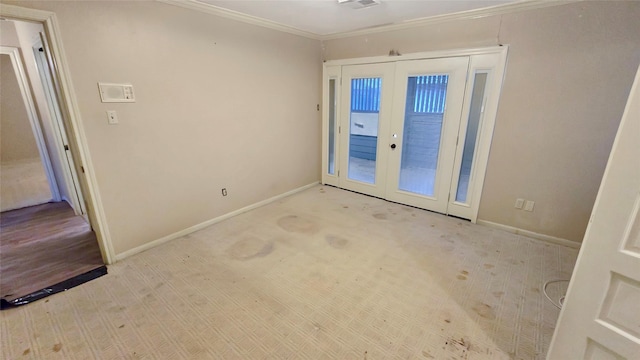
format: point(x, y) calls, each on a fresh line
point(339, 129)
point(338, 173)
point(66, 147)
point(457, 138)
point(82, 169)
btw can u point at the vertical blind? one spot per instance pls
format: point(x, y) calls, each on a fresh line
point(428, 93)
point(365, 95)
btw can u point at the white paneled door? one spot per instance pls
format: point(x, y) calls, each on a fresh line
point(413, 131)
point(600, 318)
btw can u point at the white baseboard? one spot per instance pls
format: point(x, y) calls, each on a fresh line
point(531, 234)
point(203, 225)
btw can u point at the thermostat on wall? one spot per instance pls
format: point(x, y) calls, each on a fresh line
point(116, 93)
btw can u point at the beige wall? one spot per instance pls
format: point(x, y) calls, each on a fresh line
point(568, 76)
point(8, 34)
point(17, 142)
point(219, 104)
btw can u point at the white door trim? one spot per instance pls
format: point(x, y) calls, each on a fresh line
point(420, 56)
point(32, 114)
point(73, 123)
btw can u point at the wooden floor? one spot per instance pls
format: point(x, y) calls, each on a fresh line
point(43, 245)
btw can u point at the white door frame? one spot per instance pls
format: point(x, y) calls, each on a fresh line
point(61, 142)
point(332, 70)
point(32, 114)
point(73, 124)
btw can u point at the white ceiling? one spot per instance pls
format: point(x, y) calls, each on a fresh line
point(327, 17)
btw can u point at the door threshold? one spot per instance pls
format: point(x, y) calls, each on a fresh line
point(399, 203)
point(54, 289)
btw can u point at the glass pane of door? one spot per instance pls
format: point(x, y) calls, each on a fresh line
point(477, 96)
point(331, 166)
point(363, 128)
point(424, 112)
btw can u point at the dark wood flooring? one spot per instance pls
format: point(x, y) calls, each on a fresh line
point(43, 245)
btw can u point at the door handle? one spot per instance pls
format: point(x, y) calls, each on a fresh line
point(393, 146)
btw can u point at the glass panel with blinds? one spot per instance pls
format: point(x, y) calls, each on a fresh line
point(424, 113)
point(363, 128)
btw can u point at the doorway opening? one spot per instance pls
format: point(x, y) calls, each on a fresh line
point(47, 243)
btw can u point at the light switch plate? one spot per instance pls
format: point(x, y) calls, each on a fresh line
point(112, 115)
point(519, 203)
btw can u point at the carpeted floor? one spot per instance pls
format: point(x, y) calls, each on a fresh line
point(323, 274)
point(23, 183)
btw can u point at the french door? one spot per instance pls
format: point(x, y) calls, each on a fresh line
point(424, 127)
point(368, 90)
point(410, 131)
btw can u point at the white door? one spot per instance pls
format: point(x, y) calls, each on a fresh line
point(600, 318)
point(427, 108)
point(367, 98)
point(401, 122)
point(414, 130)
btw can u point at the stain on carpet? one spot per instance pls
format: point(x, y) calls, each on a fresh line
point(485, 311)
point(249, 248)
point(296, 224)
point(380, 216)
point(335, 241)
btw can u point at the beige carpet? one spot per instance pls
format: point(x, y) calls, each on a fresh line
point(324, 274)
point(23, 183)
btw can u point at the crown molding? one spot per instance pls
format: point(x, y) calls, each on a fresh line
point(235, 15)
point(17, 12)
point(462, 15)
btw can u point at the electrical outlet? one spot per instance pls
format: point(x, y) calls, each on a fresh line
point(528, 206)
point(519, 203)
